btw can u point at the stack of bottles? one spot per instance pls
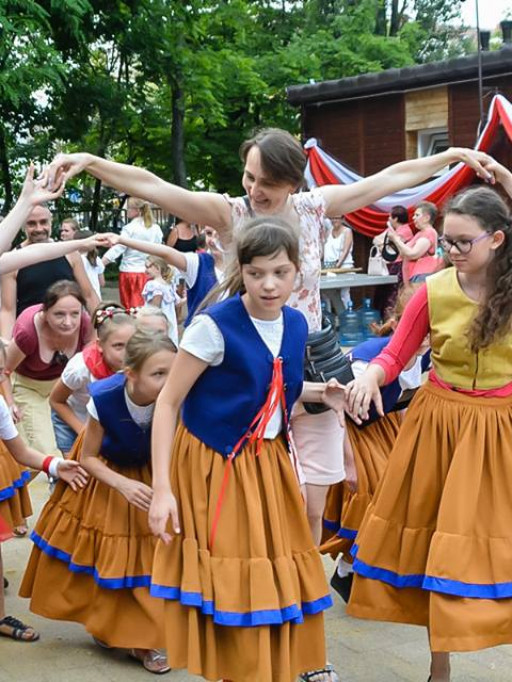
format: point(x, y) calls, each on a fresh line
point(355, 325)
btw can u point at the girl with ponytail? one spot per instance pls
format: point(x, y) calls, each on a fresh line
point(132, 270)
point(434, 547)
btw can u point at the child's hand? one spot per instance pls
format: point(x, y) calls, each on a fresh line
point(163, 506)
point(72, 473)
point(34, 192)
point(360, 394)
point(137, 493)
point(334, 396)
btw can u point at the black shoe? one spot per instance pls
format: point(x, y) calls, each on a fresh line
point(342, 586)
point(6, 583)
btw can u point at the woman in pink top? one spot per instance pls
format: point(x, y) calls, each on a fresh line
point(419, 253)
point(45, 337)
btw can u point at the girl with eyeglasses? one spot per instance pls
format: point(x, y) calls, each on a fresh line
point(435, 544)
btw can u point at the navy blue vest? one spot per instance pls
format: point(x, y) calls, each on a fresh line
point(205, 281)
point(225, 399)
point(124, 443)
point(367, 351)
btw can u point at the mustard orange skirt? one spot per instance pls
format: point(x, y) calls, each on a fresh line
point(435, 546)
point(91, 563)
point(15, 504)
point(250, 608)
point(344, 510)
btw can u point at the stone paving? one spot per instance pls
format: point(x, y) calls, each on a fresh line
point(361, 651)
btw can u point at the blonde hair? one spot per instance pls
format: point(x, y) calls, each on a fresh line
point(142, 345)
point(150, 311)
point(145, 210)
point(166, 271)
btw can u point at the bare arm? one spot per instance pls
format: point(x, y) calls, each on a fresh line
point(13, 357)
point(35, 253)
point(58, 401)
point(501, 174)
point(8, 295)
point(69, 471)
point(186, 369)
point(349, 239)
point(168, 253)
point(205, 208)
point(136, 492)
point(346, 198)
point(91, 297)
point(418, 250)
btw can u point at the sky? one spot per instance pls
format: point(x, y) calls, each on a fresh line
point(491, 12)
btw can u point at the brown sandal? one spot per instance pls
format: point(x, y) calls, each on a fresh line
point(18, 630)
point(153, 660)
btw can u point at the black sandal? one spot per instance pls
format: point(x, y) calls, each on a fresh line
point(316, 675)
point(19, 631)
point(6, 583)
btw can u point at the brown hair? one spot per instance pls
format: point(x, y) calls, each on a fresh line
point(266, 236)
point(142, 345)
point(107, 316)
point(400, 213)
point(429, 208)
point(92, 254)
point(404, 296)
point(494, 315)
point(60, 289)
point(282, 158)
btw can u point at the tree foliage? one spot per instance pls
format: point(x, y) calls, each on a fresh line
point(175, 86)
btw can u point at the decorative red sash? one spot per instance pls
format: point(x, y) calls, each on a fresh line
point(5, 530)
point(255, 434)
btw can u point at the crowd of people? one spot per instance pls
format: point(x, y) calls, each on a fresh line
point(196, 493)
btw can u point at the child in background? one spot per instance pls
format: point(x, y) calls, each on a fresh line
point(93, 551)
point(160, 292)
point(93, 265)
point(242, 582)
point(150, 318)
point(99, 360)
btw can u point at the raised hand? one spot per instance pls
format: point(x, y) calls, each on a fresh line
point(111, 238)
point(163, 506)
point(72, 473)
point(478, 162)
point(62, 168)
point(35, 192)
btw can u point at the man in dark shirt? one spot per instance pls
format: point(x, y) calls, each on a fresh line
point(27, 286)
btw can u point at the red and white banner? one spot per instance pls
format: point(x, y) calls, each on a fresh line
point(323, 169)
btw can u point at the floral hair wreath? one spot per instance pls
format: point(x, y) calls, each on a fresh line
point(109, 312)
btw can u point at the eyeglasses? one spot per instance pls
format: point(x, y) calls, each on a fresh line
point(59, 358)
point(462, 245)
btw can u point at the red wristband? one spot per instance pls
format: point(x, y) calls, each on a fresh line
point(46, 464)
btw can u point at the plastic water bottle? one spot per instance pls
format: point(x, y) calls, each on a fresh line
point(328, 315)
point(367, 317)
point(350, 327)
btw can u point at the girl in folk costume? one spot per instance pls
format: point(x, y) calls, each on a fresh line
point(367, 447)
point(435, 543)
point(100, 359)
point(93, 551)
point(242, 581)
point(14, 500)
point(132, 270)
